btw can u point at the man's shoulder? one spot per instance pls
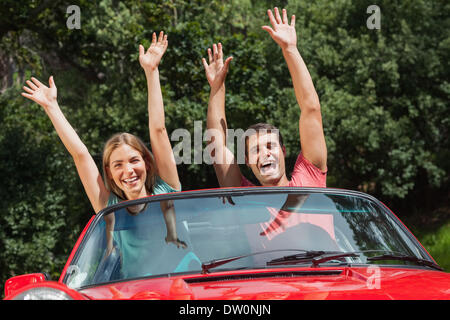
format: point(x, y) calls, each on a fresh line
point(305, 174)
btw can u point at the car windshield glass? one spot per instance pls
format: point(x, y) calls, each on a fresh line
point(178, 234)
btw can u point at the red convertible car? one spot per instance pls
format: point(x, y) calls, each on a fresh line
point(244, 243)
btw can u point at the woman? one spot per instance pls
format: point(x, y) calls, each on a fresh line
point(130, 170)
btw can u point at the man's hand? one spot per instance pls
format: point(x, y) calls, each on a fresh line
point(150, 60)
point(40, 93)
point(216, 71)
point(281, 31)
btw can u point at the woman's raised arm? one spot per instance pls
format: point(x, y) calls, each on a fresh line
point(159, 139)
point(89, 174)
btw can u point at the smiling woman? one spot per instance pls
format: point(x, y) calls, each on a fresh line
point(128, 166)
point(130, 170)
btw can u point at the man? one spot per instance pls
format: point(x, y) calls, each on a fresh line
point(265, 152)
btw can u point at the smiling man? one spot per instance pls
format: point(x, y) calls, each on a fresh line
point(265, 152)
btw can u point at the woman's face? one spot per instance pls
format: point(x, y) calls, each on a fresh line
point(128, 170)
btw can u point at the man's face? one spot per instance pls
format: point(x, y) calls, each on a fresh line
point(265, 157)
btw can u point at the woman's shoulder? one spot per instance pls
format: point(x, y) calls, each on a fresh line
point(113, 199)
point(161, 186)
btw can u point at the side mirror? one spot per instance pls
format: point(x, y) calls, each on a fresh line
point(16, 283)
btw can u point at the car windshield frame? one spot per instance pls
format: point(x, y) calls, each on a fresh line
point(233, 192)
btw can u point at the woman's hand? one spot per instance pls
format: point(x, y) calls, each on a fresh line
point(40, 93)
point(216, 71)
point(150, 60)
point(179, 243)
point(281, 31)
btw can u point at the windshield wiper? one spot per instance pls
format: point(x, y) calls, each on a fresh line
point(206, 266)
point(406, 258)
point(316, 257)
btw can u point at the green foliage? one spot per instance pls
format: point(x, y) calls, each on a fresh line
point(437, 244)
point(384, 96)
point(36, 207)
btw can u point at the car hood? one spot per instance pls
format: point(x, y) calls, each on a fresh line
point(366, 283)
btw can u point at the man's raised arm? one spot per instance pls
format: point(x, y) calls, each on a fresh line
point(312, 138)
point(227, 170)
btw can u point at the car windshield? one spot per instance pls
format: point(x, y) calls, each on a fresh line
point(176, 233)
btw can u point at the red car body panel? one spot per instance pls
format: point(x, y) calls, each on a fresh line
point(352, 283)
point(73, 294)
point(19, 282)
